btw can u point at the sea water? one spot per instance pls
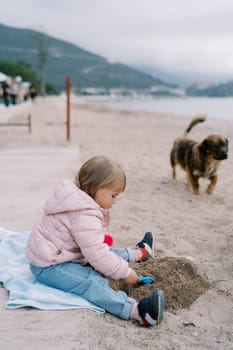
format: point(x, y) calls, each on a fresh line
point(220, 107)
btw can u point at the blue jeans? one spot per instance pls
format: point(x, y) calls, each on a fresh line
point(84, 281)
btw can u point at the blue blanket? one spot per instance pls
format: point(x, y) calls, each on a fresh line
point(23, 290)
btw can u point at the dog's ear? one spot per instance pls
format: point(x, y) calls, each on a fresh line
point(227, 144)
point(205, 145)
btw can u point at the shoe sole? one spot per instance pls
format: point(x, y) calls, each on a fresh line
point(161, 302)
point(153, 246)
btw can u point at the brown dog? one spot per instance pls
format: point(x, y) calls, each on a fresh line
point(199, 159)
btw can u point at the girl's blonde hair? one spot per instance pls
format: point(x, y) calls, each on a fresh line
point(99, 172)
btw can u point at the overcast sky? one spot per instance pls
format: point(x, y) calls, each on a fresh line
point(175, 35)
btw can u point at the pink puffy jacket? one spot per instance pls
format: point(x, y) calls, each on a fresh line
point(72, 229)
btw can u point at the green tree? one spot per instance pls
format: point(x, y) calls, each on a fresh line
point(25, 71)
point(21, 69)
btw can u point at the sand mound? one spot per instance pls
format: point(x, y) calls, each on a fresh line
point(177, 277)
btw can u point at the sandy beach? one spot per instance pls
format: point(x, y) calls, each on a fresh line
point(194, 228)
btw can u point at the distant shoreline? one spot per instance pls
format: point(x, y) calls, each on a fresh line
point(217, 108)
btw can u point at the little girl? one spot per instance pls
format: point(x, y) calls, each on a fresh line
point(67, 249)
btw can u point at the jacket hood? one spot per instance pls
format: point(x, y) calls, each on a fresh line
point(68, 197)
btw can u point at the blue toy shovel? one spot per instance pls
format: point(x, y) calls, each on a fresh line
point(145, 280)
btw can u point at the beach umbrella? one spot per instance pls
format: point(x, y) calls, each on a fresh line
point(18, 79)
point(3, 76)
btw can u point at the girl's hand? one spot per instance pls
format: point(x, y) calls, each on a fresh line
point(132, 278)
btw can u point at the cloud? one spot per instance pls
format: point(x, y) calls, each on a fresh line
point(180, 35)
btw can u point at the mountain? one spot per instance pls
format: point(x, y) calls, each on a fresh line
point(61, 58)
point(184, 80)
point(173, 78)
point(210, 89)
point(195, 84)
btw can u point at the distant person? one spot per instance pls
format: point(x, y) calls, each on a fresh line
point(6, 93)
point(69, 249)
point(14, 89)
point(33, 93)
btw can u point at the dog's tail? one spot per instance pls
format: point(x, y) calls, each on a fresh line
point(200, 118)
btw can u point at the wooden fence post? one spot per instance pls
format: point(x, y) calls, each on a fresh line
point(68, 80)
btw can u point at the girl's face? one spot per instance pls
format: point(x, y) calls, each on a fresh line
point(106, 196)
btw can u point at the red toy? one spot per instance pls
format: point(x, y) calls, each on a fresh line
point(108, 239)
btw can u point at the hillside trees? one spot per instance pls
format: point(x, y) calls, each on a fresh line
point(22, 69)
point(25, 71)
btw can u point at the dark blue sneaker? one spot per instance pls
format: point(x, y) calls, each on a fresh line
point(147, 246)
point(151, 308)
